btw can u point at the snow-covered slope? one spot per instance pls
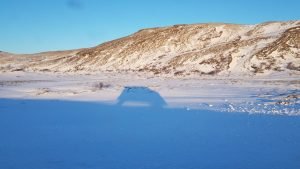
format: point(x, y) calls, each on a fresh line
point(180, 50)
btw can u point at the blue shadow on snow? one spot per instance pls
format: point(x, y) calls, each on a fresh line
point(68, 134)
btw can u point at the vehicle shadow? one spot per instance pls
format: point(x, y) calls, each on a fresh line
point(140, 96)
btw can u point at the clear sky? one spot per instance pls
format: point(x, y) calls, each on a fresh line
point(28, 26)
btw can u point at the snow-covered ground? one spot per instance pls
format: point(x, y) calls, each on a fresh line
point(277, 95)
point(55, 134)
point(130, 121)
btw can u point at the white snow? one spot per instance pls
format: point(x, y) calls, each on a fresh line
point(221, 93)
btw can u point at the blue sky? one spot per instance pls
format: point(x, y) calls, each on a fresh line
point(29, 26)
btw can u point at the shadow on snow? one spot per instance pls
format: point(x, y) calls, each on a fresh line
point(140, 96)
point(69, 134)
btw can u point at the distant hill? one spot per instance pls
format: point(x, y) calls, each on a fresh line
point(180, 50)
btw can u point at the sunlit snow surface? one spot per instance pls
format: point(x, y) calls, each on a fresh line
point(287, 103)
point(265, 95)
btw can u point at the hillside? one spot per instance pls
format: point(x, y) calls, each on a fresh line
point(180, 50)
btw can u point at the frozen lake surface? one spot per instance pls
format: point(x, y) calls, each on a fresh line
point(49, 134)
